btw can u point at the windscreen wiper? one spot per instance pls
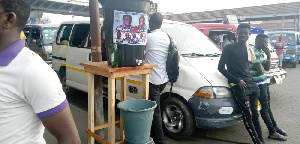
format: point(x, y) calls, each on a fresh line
point(214, 55)
point(193, 54)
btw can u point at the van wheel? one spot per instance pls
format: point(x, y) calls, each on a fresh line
point(294, 65)
point(63, 81)
point(178, 118)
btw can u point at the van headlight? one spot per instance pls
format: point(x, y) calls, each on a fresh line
point(213, 92)
point(291, 51)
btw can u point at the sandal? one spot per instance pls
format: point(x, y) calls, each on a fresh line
point(278, 137)
point(281, 131)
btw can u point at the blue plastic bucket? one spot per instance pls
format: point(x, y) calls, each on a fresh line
point(137, 117)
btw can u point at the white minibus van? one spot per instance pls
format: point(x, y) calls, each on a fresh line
point(200, 98)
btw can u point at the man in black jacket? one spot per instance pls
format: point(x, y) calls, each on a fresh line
point(236, 57)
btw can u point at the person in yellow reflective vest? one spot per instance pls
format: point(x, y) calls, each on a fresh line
point(23, 36)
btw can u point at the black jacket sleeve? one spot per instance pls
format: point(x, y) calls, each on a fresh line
point(221, 67)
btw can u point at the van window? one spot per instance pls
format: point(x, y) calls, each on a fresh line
point(35, 35)
point(80, 35)
point(288, 38)
point(298, 39)
point(48, 34)
point(64, 34)
point(190, 40)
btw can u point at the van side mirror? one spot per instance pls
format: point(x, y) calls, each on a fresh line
point(298, 43)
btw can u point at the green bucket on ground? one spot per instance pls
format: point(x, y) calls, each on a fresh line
point(137, 117)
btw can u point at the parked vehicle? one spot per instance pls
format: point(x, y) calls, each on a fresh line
point(200, 98)
point(291, 52)
point(217, 31)
point(40, 39)
point(71, 47)
point(220, 29)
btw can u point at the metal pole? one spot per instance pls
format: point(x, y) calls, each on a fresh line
point(282, 23)
point(298, 23)
point(96, 57)
point(295, 23)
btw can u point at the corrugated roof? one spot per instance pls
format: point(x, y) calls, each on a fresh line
point(273, 10)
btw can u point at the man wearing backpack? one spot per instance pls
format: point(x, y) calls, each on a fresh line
point(156, 53)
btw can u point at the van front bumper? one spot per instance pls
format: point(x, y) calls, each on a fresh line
point(289, 58)
point(215, 113)
point(217, 123)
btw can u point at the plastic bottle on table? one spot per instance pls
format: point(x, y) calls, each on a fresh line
point(114, 55)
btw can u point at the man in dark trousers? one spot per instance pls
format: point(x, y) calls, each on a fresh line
point(257, 69)
point(156, 53)
point(236, 58)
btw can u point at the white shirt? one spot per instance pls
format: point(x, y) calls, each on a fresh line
point(156, 53)
point(30, 90)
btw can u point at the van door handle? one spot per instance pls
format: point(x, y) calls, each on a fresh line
point(90, 56)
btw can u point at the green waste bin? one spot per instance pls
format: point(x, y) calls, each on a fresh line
point(137, 117)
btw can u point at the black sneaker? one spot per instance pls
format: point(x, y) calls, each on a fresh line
point(281, 131)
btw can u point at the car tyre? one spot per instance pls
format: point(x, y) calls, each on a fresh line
point(178, 118)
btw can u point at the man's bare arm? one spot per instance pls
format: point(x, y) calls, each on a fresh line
point(62, 126)
point(259, 68)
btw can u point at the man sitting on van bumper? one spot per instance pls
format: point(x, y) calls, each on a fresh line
point(257, 69)
point(246, 92)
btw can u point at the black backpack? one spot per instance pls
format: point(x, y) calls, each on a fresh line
point(172, 65)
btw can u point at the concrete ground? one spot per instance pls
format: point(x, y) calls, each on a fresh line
point(285, 100)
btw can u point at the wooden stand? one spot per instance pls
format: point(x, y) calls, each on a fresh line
point(103, 69)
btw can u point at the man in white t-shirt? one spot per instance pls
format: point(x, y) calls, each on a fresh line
point(156, 53)
point(31, 94)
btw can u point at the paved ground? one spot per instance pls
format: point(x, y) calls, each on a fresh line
point(285, 100)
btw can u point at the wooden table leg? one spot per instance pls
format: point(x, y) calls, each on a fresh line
point(91, 99)
point(145, 94)
point(123, 97)
point(111, 110)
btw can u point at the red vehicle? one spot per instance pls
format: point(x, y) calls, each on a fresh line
point(216, 31)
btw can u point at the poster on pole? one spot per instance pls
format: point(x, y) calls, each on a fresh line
point(130, 27)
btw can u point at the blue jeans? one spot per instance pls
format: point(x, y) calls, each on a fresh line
point(266, 112)
point(280, 58)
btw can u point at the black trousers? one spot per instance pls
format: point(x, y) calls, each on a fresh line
point(266, 112)
point(156, 128)
point(270, 112)
point(247, 102)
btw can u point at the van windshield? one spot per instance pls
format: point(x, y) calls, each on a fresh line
point(188, 39)
point(288, 38)
point(48, 34)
